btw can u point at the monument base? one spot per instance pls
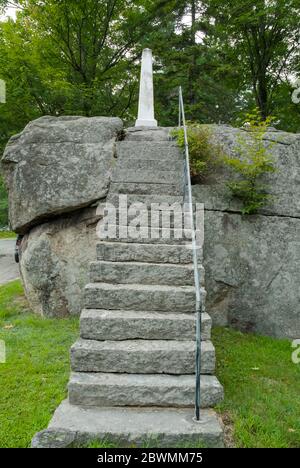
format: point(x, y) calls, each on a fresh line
point(146, 123)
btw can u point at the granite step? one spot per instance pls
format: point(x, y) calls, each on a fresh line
point(155, 150)
point(144, 273)
point(119, 325)
point(104, 389)
point(147, 200)
point(147, 235)
point(153, 218)
point(145, 252)
point(148, 176)
point(140, 297)
point(153, 427)
point(172, 189)
point(154, 134)
point(164, 164)
point(141, 357)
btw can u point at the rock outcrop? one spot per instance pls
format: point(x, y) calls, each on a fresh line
point(252, 263)
point(58, 168)
point(55, 260)
point(57, 165)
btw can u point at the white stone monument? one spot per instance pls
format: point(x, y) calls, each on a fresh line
point(146, 99)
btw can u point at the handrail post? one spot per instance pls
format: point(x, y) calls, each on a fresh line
point(179, 113)
point(195, 260)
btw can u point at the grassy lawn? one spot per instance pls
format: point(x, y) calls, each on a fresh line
point(33, 381)
point(262, 389)
point(7, 235)
point(262, 385)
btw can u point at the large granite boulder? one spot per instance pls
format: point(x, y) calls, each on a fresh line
point(58, 165)
point(54, 264)
point(252, 262)
point(58, 168)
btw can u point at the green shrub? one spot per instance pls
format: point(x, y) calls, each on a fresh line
point(253, 159)
point(205, 154)
point(253, 162)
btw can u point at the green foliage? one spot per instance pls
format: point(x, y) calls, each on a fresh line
point(260, 40)
point(228, 57)
point(184, 46)
point(253, 159)
point(205, 154)
point(147, 443)
point(253, 162)
point(7, 234)
point(71, 58)
point(80, 57)
point(93, 444)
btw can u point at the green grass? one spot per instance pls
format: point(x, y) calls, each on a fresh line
point(7, 235)
point(262, 385)
point(34, 378)
point(150, 443)
point(262, 389)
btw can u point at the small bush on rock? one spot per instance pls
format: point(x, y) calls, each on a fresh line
point(205, 154)
point(253, 162)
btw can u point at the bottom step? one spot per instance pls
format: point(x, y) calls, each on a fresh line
point(153, 427)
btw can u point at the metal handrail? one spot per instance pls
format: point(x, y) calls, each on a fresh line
point(188, 192)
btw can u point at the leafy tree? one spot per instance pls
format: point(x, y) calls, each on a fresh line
point(70, 57)
point(75, 57)
point(186, 55)
point(91, 44)
point(262, 39)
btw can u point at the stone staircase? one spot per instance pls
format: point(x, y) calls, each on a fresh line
point(133, 366)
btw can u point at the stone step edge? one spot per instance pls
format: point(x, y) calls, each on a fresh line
point(133, 296)
point(179, 266)
point(110, 378)
point(102, 324)
point(146, 188)
point(158, 356)
point(156, 427)
point(147, 211)
point(112, 197)
point(120, 170)
point(121, 345)
point(146, 273)
point(135, 390)
point(176, 315)
point(141, 287)
point(163, 163)
point(174, 251)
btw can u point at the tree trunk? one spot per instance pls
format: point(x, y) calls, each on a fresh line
point(262, 93)
point(192, 70)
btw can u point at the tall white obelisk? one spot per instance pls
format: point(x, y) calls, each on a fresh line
point(146, 99)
